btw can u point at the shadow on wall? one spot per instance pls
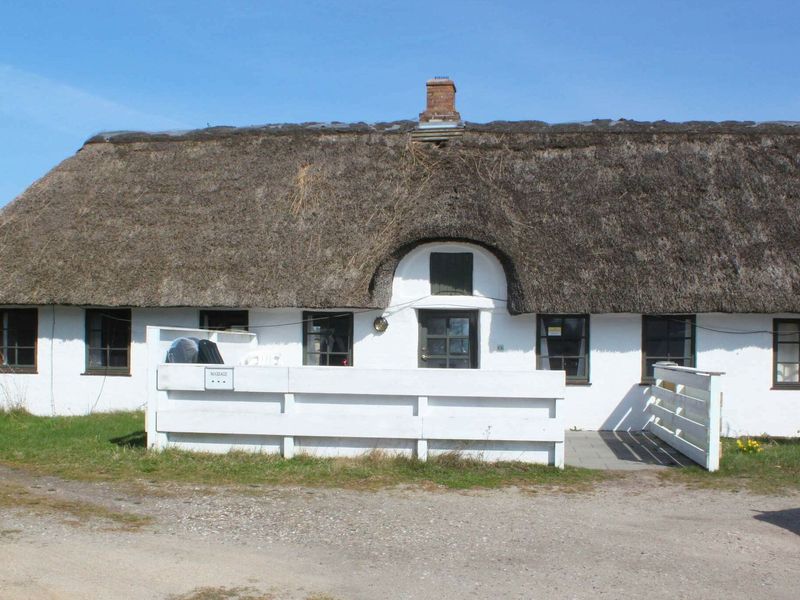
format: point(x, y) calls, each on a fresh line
point(788, 519)
point(629, 414)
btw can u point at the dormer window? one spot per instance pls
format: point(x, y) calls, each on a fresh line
point(451, 273)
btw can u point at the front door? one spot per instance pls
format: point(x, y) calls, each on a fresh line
point(448, 339)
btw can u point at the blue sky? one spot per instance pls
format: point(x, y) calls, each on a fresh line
point(71, 69)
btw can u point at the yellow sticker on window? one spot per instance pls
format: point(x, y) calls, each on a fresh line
point(553, 331)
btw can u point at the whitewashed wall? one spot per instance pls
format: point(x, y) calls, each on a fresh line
point(613, 400)
point(59, 387)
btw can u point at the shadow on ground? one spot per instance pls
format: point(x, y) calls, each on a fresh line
point(789, 519)
point(137, 439)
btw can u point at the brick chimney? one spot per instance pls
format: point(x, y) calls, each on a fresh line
point(441, 109)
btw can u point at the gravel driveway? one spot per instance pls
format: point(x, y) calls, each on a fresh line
point(634, 537)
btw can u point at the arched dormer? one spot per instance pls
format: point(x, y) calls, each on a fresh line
point(405, 262)
point(448, 308)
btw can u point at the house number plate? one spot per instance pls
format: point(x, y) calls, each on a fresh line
point(219, 379)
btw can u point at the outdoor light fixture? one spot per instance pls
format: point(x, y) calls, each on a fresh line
point(380, 324)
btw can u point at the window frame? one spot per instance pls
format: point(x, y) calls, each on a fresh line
point(646, 379)
point(108, 313)
point(20, 369)
point(433, 284)
point(781, 385)
point(308, 317)
point(570, 379)
point(206, 313)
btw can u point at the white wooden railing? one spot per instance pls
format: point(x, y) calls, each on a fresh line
point(299, 406)
point(685, 406)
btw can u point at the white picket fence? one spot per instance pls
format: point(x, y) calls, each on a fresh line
point(685, 406)
point(494, 415)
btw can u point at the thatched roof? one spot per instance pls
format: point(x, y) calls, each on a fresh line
point(600, 217)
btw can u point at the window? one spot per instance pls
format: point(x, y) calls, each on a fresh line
point(328, 339)
point(667, 338)
point(786, 353)
point(108, 341)
point(18, 343)
point(451, 273)
point(563, 344)
point(448, 339)
point(222, 320)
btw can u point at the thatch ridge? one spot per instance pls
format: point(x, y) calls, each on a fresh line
point(602, 217)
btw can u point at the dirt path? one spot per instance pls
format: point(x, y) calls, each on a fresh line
point(630, 538)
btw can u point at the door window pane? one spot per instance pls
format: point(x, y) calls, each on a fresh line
point(437, 347)
point(459, 346)
point(458, 326)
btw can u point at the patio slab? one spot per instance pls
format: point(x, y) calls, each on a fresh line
point(620, 451)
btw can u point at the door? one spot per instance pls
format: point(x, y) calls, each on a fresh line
point(448, 339)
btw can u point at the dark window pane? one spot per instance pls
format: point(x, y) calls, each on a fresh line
point(97, 358)
point(314, 359)
point(437, 346)
point(679, 327)
point(451, 273)
point(436, 363)
point(458, 326)
point(25, 357)
point(573, 327)
point(571, 366)
point(569, 348)
point(221, 320)
point(679, 348)
point(788, 353)
point(656, 328)
point(788, 331)
point(338, 360)
point(657, 347)
point(118, 358)
point(459, 363)
point(459, 346)
point(555, 364)
point(436, 325)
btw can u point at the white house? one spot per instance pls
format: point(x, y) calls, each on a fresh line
point(596, 249)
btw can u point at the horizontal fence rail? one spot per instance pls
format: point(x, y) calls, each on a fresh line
point(685, 410)
point(301, 408)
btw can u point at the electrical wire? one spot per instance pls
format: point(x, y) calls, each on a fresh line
point(388, 309)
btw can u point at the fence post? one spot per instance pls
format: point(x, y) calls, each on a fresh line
point(422, 410)
point(558, 447)
point(288, 441)
point(714, 423)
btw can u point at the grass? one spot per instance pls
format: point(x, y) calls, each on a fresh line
point(19, 497)
point(774, 470)
point(111, 446)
